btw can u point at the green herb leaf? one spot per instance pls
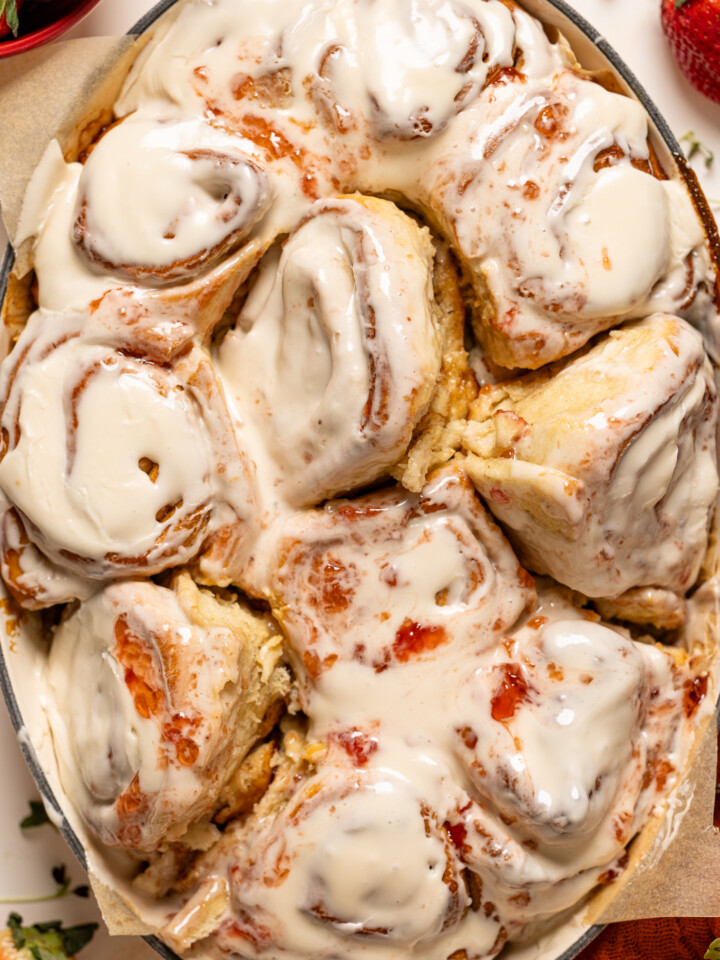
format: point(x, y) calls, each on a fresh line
point(48, 940)
point(695, 146)
point(82, 891)
point(61, 878)
point(37, 816)
point(713, 951)
point(75, 938)
point(14, 921)
point(40, 953)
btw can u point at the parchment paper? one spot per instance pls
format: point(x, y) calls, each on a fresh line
point(64, 92)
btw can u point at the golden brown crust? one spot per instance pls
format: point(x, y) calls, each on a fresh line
point(434, 442)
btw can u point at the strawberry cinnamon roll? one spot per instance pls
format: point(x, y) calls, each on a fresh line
point(114, 464)
point(570, 733)
point(335, 354)
point(355, 865)
point(177, 685)
point(188, 196)
point(604, 468)
point(548, 192)
point(391, 578)
point(404, 70)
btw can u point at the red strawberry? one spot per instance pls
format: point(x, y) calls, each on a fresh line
point(9, 10)
point(693, 29)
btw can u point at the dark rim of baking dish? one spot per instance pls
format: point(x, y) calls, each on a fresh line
point(711, 230)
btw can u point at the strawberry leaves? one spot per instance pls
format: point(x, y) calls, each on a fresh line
point(49, 941)
point(37, 816)
point(713, 951)
point(9, 12)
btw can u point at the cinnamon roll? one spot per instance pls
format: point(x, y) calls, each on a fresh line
point(191, 194)
point(391, 578)
point(177, 686)
point(405, 69)
point(604, 468)
point(548, 199)
point(317, 882)
point(113, 464)
point(569, 732)
point(464, 753)
point(335, 353)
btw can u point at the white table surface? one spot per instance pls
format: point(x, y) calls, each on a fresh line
point(27, 857)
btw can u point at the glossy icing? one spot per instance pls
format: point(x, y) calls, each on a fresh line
point(170, 701)
point(607, 471)
point(335, 352)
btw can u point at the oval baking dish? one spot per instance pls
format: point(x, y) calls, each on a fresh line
point(17, 666)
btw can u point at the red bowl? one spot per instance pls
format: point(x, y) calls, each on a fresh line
point(46, 22)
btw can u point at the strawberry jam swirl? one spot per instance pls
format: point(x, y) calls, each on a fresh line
point(388, 578)
point(170, 703)
point(543, 181)
point(327, 205)
point(488, 753)
point(113, 464)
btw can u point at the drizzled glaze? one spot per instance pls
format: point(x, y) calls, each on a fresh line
point(388, 578)
point(170, 701)
point(607, 471)
point(206, 188)
point(112, 465)
point(436, 820)
point(542, 179)
point(435, 739)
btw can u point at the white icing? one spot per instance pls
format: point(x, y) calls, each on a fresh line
point(335, 351)
point(137, 758)
point(629, 430)
point(84, 425)
point(191, 193)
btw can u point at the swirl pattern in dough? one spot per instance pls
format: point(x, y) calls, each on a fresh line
point(336, 351)
point(466, 752)
point(113, 465)
point(191, 195)
point(178, 685)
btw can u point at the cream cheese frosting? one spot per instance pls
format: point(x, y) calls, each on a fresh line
point(171, 703)
point(112, 464)
point(335, 351)
point(624, 475)
point(237, 321)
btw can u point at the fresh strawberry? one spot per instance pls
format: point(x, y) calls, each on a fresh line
point(9, 10)
point(693, 29)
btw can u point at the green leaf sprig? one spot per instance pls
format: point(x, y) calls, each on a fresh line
point(37, 816)
point(61, 878)
point(695, 146)
point(49, 941)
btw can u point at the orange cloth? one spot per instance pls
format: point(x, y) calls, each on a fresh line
point(676, 939)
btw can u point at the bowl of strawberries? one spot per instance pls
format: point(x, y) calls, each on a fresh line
point(25, 24)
